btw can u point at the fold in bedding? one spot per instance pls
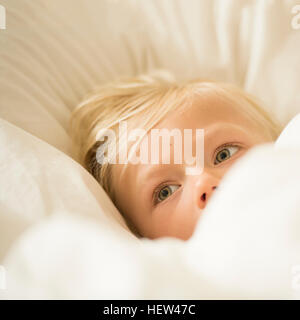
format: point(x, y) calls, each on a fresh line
point(245, 246)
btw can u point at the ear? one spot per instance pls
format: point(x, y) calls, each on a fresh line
point(90, 160)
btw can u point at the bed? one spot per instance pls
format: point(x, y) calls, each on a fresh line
point(60, 235)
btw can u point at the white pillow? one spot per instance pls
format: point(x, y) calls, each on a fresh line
point(54, 52)
point(38, 180)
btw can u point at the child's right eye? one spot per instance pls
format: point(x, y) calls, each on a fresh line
point(163, 193)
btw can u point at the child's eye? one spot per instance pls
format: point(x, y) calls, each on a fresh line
point(164, 192)
point(225, 153)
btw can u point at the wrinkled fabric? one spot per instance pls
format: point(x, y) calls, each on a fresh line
point(60, 235)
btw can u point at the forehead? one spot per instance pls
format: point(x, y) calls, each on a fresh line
point(205, 111)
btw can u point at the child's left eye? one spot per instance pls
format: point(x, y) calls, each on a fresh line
point(226, 153)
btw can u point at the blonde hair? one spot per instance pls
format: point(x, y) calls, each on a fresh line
point(145, 100)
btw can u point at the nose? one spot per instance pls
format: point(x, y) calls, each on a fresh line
point(205, 185)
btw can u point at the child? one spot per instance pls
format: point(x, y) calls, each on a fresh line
point(161, 199)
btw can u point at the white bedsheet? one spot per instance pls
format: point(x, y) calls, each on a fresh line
point(60, 235)
point(247, 245)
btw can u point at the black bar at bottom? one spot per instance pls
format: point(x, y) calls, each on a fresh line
point(144, 309)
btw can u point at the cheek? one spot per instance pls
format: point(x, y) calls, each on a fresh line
point(178, 220)
point(186, 218)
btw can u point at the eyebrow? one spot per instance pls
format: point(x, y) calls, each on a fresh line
point(213, 128)
point(152, 172)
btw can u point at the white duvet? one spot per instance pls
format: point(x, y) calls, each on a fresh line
point(60, 235)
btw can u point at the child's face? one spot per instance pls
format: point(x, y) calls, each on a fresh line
point(160, 199)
